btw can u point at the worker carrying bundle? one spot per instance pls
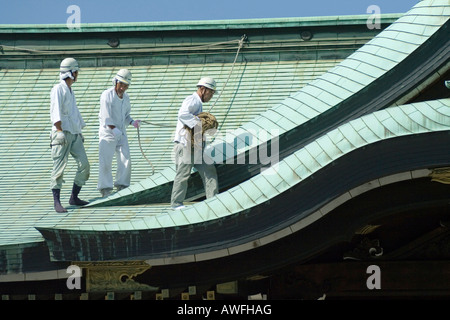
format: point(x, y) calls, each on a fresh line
point(189, 138)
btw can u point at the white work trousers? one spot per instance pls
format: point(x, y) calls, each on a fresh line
point(60, 155)
point(108, 147)
point(184, 160)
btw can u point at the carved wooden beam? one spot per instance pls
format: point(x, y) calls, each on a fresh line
point(114, 276)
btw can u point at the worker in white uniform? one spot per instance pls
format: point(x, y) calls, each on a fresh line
point(185, 155)
point(114, 117)
point(66, 136)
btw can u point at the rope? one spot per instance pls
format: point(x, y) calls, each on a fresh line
point(156, 124)
point(139, 140)
point(141, 49)
point(241, 43)
point(142, 151)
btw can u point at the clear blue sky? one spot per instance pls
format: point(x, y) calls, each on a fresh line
point(101, 11)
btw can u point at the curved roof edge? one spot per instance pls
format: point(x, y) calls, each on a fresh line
point(303, 223)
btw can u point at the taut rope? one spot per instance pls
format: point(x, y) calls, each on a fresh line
point(241, 43)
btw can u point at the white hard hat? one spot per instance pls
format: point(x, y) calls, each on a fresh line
point(207, 82)
point(69, 64)
point(124, 76)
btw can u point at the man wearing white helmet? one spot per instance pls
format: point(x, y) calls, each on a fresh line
point(184, 151)
point(66, 136)
point(114, 117)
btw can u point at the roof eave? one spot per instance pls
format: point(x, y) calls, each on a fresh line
point(199, 25)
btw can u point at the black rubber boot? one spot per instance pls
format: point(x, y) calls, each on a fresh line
point(74, 200)
point(56, 201)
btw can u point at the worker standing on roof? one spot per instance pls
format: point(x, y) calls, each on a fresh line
point(66, 136)
point(114, 117)
point(184, 149)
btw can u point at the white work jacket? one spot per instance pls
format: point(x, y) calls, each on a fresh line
point(114, 111)
point(63, 107)
point(187, 115)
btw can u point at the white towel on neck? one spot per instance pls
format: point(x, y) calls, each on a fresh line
point(64, 75)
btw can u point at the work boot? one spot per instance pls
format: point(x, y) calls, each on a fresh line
point(120, 187)
point(106, 192)
point(74, 200)
point(56, 202)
